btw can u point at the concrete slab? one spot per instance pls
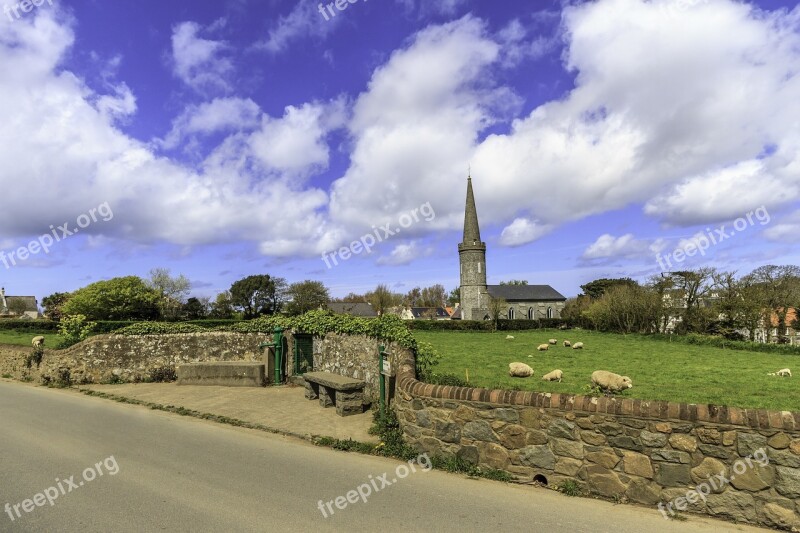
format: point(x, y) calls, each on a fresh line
point(223, 373)
point(284, 408)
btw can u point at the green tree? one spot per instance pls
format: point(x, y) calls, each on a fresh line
point(173, 291)
point(222, 306)
point(514, 282)
point(52, 304)
point(454, 297)
point(125, 298)
point(258, 295)
point(434, 296)
point(780, 291)
point(73, 329)
point(595, 289)
point(306, 296)
point(195, 309)
point(382, 299)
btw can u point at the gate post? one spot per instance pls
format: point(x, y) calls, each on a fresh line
point(277, 339)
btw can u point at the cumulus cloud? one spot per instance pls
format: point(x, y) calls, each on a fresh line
point(522, 231)
point(626, 246)
point(219, 115)
point(402, 254)
point(200, 63)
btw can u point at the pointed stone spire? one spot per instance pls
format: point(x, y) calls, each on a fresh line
point(472, 232)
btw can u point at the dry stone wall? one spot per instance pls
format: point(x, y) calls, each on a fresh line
point(624, 449)
point(103, 357)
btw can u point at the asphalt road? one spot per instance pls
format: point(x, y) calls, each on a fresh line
point(163, 472)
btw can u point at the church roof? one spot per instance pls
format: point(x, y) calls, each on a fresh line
point(29, 302)
point(352, 308)
point(527, 293)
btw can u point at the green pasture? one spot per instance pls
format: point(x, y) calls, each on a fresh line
point(660, 370)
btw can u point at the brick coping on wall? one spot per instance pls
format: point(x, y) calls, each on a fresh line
point(655, 409)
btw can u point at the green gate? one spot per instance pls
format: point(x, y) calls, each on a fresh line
point(303, 353)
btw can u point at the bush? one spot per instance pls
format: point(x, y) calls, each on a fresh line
point(159, 328)
point(444, 379)
point(722, 342)
point(485, 325)
point(73, 329)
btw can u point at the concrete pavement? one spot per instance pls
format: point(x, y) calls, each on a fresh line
point(283, 409)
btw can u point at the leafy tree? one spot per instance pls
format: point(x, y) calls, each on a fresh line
point(413, 298)
point(125, 298)
point(780, 290)
point(173, 291)
point(195, 309)
point(73, 329)
point(258, 295)
point(688, 297)
point(514, 282)
point(382, 299)
point(625, 308)
point(434, 296)
point(222, 306)
point(454, 297)
point(306, 296)
point(351, 298)
point(52, 304)
point(595, 289)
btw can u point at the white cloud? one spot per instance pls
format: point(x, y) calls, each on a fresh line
point(219, 115)
point(199, 62)
point(402, 254)
point(609, 247)
point(304, 20)
point(522, 231)
point(787, 230)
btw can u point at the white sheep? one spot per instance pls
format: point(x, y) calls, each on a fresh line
point(553, 341)
point(567, 344)
point(519, 370)
point(38, 342)
point(611, 382)
point(784, 372)
point(543, 347)
point(509, 337)
point(555, 375)
point(577, 346)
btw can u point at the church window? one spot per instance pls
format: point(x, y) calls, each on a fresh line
point(549, 312)
point(511, 313)
point(531, 313)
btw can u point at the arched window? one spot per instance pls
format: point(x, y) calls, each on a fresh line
point(531, 313)
point(511, 313)
point(549, 312)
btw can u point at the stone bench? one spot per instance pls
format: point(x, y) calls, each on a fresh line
point(346, 394)
point(224, 373)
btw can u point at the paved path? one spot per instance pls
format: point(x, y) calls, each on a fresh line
point(164, 472)
point(284, 409)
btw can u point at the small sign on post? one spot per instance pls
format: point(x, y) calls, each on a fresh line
point(386, 369)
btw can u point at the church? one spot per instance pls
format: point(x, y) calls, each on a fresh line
point(525, 302)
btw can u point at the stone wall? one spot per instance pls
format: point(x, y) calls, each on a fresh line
point(99, 358)
point(355, 357)
point(624, 449)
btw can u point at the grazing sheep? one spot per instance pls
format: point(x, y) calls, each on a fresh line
point(509, 337)
point(784, 372)
point(611, 382)
point(553, 341)
point(519, 370)
point(543, 347)
point(555, 375)
point(567, 344)
point(38, 342)
point(577, 346)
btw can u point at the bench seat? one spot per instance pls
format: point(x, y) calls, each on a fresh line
point(346, 394)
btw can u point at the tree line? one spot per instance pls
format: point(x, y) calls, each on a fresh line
point(705, 300)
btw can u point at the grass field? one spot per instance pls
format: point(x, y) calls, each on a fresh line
point(23, 338)
point(660, 370)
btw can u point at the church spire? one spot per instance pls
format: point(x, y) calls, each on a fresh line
point(472, 233)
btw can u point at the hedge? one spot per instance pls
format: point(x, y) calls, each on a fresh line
point(28, 325)
point(722, 342)
point(485, 325)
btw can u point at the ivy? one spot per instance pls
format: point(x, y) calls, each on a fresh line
point(159, 328)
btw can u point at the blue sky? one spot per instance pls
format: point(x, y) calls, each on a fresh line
point(228, 138)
